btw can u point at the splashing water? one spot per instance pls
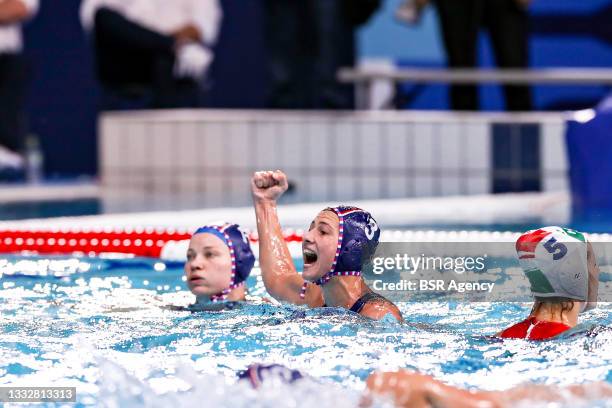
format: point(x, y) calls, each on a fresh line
point(105, 327)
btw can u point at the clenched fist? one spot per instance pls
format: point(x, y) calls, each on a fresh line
point(268, 185)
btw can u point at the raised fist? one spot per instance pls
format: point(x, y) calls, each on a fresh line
point(268, 185)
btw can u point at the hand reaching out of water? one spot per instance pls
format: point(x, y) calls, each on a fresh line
point(414, 390)
point(406, 388)
point(268, 185)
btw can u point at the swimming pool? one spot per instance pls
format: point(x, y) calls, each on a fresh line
point(102, 325)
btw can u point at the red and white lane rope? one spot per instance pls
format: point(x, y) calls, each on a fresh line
point(170, 243)
point(139, 241)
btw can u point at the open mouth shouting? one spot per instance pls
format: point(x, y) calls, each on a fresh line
point(310, 257)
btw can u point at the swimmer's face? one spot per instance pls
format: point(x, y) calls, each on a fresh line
point(208, 268)
point(319, 245)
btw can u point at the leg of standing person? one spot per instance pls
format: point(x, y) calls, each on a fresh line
point(508, 25)
point(335, 35)
point(131, 55)
point(169, 91)
point(460, 22)
point(163, 82)
point(289, 54)
point(12, 97)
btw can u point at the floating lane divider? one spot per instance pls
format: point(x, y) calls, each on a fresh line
point(171, 243)
point(138, 241)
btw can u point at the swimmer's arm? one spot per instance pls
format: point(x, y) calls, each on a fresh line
point(377, 311)
point(277, 269)
point(410, 389)
point(546, 393)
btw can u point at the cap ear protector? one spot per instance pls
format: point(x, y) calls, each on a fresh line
point(359, 238)
point(240, 253)
point(593, 280)
point(554, 259)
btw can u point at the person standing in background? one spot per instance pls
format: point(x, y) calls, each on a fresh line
point(308, 41)
point(507, 24)
point(154, 50)
point(13, 78)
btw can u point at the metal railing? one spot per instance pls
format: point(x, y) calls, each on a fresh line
point(363, 78)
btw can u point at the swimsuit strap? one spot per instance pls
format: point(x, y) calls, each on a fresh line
point(359, 304)
point(364, 300)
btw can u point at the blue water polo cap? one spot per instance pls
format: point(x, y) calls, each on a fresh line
point(258, 374)
point(240, 250)
point(358, 235)
point(357, 239)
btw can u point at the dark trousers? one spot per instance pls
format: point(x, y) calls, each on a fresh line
point(136, 63)
point(12, 98)
point(507, 24)
point(308, 41)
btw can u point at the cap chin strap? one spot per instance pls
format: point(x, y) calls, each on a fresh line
point(326, 278)
point(221, 296)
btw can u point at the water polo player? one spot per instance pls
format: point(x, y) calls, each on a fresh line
point(334, 247)
point(219, 260)
point(563, 275)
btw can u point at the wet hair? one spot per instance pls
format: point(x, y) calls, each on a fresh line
point(566, 304)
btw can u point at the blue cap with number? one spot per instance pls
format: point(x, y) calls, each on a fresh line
point(358, 235)
point(359, 238)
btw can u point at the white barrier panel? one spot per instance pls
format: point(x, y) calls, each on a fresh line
point(204, 158)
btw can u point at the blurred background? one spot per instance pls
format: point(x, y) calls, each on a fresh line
point(121, 106)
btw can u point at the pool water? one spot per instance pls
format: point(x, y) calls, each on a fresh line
point(104, 326)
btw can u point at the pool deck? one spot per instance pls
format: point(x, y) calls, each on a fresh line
point(549, 208)
point(65, 191)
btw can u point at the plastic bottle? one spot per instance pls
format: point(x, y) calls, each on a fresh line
point(34, 160)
